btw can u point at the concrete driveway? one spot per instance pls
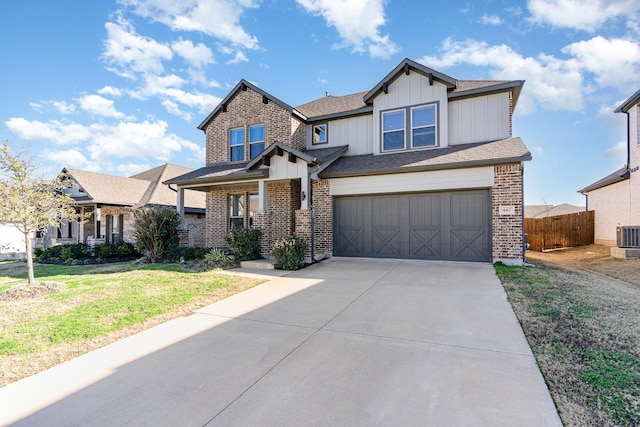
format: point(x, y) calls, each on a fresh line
point(347, 342)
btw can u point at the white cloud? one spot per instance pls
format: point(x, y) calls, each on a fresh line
point(238, 58)
point(132, 168)
point(196, 55)
point(614, 62)
point(551, 83)
point(357, 22)
point(131, 53)
point(110, 91)
point(147, 139)
point(217, 18)
point(99, 106)
point(55, 131)
point(71, 159)
point(586, 15)
point(618, 150)
point(64, 107)
point(490, 20)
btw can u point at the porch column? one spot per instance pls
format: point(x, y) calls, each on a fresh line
point(304, 193)
point(180, 206)
point(262, 196)
point(96, 223)
point(80, 224)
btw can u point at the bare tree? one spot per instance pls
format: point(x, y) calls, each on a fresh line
point(30, 203)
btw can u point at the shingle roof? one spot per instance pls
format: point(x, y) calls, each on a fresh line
point(217, 172)
point(333, 104)
point(109, 189)
point(142, 189)
point(455, 156)
point(619, 175)
point(542, 211)
point(630, 102)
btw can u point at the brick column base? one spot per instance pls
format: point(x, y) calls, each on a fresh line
point(303, 229)
point(261, 222)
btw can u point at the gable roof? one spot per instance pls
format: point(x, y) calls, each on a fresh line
point(330, 105)
point(617, 176)
point(109, 189)
point(142, 189)
point(508, 150)
point(242, 85)
point(406, 66)
point(629, 103)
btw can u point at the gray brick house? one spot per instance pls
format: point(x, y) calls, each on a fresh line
point(421, 166)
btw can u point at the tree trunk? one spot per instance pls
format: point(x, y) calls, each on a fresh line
point(27, 244)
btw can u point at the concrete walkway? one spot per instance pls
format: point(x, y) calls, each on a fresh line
point(348, 342)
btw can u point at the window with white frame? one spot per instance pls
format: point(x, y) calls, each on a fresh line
point(423, 126)
point(319, 134)
point(236, 145)
point(256, 140)
point(410, 127)
point(393, 125)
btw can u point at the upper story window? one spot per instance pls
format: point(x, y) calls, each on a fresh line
point(393, 124)
point(236, 144)
point(319, 134)
point(256, 140)
point(423, 126)
point(411, 127)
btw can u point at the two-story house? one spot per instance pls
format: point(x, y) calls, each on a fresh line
point(616, 197)
point(421, 166)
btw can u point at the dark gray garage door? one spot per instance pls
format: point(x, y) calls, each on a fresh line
point(440, 226)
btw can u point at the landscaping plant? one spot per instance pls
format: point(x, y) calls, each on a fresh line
point(289, 252)
point(155, 231)
point(244, 243)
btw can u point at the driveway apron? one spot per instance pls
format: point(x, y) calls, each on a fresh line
point(347, 342)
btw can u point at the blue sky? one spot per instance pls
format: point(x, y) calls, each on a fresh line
point(120, 86)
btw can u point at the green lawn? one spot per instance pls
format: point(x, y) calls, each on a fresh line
point(97, 300)
point(583, 330)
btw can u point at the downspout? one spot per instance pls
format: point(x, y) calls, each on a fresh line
point(313, 221)
point(628, 140)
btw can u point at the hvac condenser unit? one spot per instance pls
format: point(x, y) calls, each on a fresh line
point(628, 236)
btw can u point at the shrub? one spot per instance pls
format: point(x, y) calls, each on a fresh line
point(123, 250)
point(187, 254)
point(155, 231)
point(244, 243)
point(103, 251)
point(289, 252)
point(220, 258)
point(37, 252)
point(65, 254)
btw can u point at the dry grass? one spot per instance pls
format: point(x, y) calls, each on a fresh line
point(25, 312)
point(580, 311)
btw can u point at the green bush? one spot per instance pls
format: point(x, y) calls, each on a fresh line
point(289, 252)
point(103, 251)
point(66, 253)
point(244, 243)
point(123, 250)
point(186, 254)
point(155, 231)
point(220, 258)
point(37, 252)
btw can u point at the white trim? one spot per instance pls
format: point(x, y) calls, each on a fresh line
point(451, 179)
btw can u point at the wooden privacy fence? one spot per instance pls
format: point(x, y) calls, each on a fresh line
point(561, 231)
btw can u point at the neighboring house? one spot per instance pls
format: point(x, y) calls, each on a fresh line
point(543, 211)
point(616, 197)
point(107, 201)
point(421, 166)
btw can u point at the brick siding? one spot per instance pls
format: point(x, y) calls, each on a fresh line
point(507, 229)
point(244, 109)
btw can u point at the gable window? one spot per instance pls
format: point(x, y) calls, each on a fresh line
point(423, 126)
point(393, 125)
point(410, 127)
point(236, 144)
point(236, 210)
point(319, 134)
point(256, 140)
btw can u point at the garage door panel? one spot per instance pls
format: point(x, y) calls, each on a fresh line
point(446, 225)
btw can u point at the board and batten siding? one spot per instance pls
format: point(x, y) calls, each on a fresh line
point(411, 90)
point(356, 132)
point(482, 118)
point(282, 168)
point(453, 179)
